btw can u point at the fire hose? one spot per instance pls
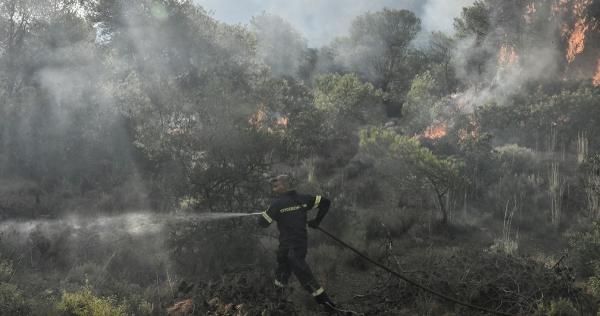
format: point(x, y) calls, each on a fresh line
point(412, 281)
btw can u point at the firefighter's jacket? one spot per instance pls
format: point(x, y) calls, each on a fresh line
point(290, 213)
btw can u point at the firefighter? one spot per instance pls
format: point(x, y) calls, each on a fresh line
point(289, 210)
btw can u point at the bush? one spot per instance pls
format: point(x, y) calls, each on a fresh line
point(204, 248)
point(586, 250)
point(524, 194)
point(518, 160)
point(562, 307)
point(84, 303)
point(11, 299)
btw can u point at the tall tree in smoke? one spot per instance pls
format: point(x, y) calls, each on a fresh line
point(441, 56)
point(378, 44)
point(378, 50)
point(279, 44)
point(191, 87)
point(59, 126)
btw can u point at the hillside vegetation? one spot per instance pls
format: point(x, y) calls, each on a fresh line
point(469, 164)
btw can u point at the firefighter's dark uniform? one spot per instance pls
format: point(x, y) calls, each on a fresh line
point(290, 213)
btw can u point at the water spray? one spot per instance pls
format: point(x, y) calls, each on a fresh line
point(137, 223)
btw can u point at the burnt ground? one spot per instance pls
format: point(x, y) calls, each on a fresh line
point(473, 264)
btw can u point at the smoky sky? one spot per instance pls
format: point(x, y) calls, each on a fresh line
point(322, 20)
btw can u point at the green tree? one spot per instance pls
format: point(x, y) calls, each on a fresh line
point(346, 103)
point(377, 47)
point(11, 299)
point(440, 53)
point(191, 93)
point(406, 164)
point(279, 44)
point(203, 110)
point(58, 124)
point(481, 158)
point(474, 21)
point(591, 180)
point(422, 104)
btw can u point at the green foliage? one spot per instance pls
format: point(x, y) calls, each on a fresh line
point(223, 245)
point(586, 250)
point(210, 129)
point(518, 160)
point(593, 286)
point(346, 104)
point(440, 54)
point(377, 48)
point(592, 166)
point(562, 307)
point(11, 299)
point(138, 306)
point(110, 105)
point(480, 162)
point(422, 104)
point(533, 121)
point(406, 164)
point(84, 303)
point(474, 21)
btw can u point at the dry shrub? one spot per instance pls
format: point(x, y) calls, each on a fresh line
point(185, 307)
point(505, 245)
point(391, 223)
point(490, 280)
point(224, 245)
point(21, 198)
point(323, 260)
point(242, 292)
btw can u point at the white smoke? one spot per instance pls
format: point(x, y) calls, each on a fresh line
point(438, 15)
point(322, 20)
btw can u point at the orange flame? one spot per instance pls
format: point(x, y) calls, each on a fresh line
point(464, 133)
point(508, 57)
point(577, 37)
point(437, 130)
point(560, 120)
point(597, 75)
point(259, 116)
point(577, 40)
point(580, 6)
point(177, 130)
point(529, 12)
point(282, 121)
point(558, 7)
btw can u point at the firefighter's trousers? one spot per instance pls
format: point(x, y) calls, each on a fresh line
point(293, 260)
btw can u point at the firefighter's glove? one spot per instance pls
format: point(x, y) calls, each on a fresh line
point(314, 223)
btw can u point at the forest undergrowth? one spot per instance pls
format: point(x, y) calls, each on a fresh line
point(468, 267)
point(474, 259)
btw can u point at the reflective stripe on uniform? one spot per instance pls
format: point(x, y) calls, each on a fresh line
point(318, 292)
point(279, 284)
point(317, 201)
point(267, 217)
